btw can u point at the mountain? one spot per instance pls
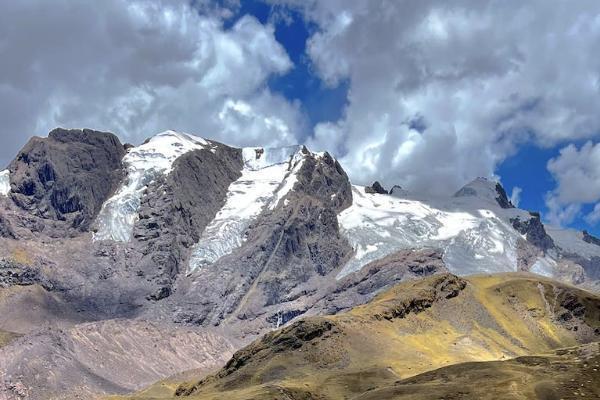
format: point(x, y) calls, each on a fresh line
point(432, 334)
point(110, 251)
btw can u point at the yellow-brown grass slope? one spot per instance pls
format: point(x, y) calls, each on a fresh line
point(408, 330)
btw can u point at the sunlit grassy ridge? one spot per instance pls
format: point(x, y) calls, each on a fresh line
point(408, 330)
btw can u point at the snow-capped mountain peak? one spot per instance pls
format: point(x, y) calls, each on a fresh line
point(144, 163)
point(487, 190)
point(160, 151)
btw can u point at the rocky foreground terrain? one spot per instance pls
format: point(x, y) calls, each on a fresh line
point(439, 337)
point(123, 265)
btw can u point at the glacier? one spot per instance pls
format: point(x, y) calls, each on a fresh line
point(4, 183)
point(474, 233)
point(267, 176)
point(144, 164)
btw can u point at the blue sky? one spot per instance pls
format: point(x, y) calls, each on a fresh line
point(318, 101)
point(526, 169)
point(487, 80)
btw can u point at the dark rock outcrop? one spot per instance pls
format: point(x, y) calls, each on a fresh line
point(361, 286)
point(175, 211)
point(14, 273)
point(285, 247)
point(502, 198)
point(587, 237)
point(396, 189)
point(376, 188)
point(68, 175)
point(445, 286)
point(6, 228)
point(534, 231)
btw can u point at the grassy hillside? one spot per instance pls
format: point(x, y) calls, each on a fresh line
point(571, 373)
point(407, 332)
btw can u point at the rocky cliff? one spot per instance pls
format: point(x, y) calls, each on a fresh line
point(189, 236)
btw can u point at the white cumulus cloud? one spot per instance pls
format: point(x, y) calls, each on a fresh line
point(515, 196)
point(577, 175)
point(139, 67)
point(442, 92)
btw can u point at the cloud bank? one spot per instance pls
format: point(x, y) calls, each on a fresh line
point(441, 92)
point(577, 173)
point(139, 67)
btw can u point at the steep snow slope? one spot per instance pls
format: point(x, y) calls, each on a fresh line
point(144, 164)
point(4, 183)
point(571, 241)
point(268, 175)
point(472, 229)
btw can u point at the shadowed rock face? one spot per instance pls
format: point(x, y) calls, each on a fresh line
point(361, 286)
point(68, 175)
point(175, 211)
point(376, 188)
point(534, 231)
point(502, 198)
point(590, 238)
point(285, 247)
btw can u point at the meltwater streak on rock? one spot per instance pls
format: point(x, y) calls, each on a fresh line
point(4, 183)
point(268, 175)
point(144, 164)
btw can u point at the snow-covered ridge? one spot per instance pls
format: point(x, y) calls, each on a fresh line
point(571, 241)
point(268, 175)
point(144, 164)
point(476, 235)
point(479, 187)
point(4, 183)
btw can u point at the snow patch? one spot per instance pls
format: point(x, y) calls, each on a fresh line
point(144, 164)
point(290, 180)
point(474, 240)
point(4, 183)
point(268, 175)
point(544, 266)
point(572, 241)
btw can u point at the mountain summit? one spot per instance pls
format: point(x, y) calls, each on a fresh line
point(124, 246)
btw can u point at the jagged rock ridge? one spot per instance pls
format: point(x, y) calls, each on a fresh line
point(245, 240)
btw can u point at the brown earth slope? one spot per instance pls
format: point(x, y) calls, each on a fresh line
point(394, 346)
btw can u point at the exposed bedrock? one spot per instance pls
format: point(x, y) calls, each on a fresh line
point(359, 287)
point(375, 188)
point(534, 231)
point(587, 237)
point(296, 241)
point(175, 210)
point(67, 176)
point(502, 198)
